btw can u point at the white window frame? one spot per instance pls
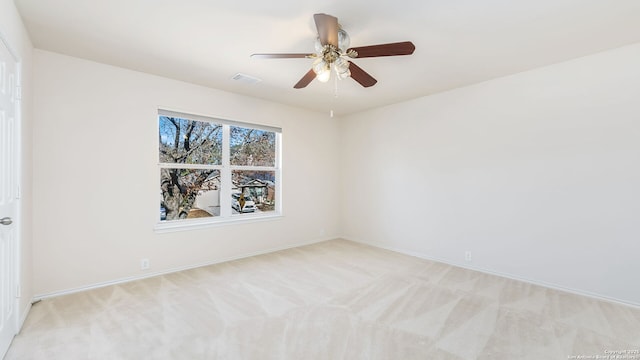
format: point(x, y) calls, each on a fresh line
point(225, 169)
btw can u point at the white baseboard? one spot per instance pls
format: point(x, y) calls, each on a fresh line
point(23, 317)
point(172, 270)
point(498, 273)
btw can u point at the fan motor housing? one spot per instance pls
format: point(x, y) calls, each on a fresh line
point(330, 53)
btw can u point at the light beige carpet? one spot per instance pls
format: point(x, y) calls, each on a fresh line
point(332, 300)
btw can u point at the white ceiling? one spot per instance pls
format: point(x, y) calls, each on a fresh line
point(206, 42)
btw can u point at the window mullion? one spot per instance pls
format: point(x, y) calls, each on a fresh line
point(225, 174)
point(253, 168)
point(188, 166)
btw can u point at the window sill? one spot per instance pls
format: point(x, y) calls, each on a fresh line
point(195, 224)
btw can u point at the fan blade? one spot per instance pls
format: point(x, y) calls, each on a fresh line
point(306, 80)
point(280, 56)
point(361, 76)
point(392, 49)
point(327, 26)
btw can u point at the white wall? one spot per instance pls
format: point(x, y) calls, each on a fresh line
point(96, 176)
point(14, 33)
point(537, 174)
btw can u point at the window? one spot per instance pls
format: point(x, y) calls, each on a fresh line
point(214, 170)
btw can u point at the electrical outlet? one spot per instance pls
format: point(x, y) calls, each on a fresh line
point(467, 256)
point(144, 264)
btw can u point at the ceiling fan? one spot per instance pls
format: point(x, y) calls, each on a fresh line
point(333, 52)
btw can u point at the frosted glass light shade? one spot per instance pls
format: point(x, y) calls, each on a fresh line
point(322, 69)
point(319, 66)
point(318, 46)
point(342, 68)
point(343, 40)
point(324, 76)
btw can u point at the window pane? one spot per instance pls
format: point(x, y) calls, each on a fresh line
point(252, 147)
point(256, 188)
point(185, 141)
point(189, 193)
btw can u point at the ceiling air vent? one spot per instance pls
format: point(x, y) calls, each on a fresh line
point(246, 79)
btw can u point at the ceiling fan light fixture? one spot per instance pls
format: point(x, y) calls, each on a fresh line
point(324, 76)
point(343, 40)
point(319, 65)
point(322, 69)
point(342, 68)
point(318, 46)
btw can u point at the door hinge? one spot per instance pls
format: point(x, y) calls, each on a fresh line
point(18, 92)
point(18, 192)
point(18, 291)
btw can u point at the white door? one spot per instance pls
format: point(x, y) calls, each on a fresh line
point(8, 197)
